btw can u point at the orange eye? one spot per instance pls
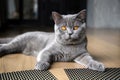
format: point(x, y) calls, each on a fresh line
point(76, 27)
point(63, 28)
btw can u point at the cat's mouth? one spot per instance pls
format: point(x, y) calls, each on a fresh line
point(70, 39)
point(73, 40)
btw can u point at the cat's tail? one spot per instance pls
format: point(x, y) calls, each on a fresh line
point(5, 40)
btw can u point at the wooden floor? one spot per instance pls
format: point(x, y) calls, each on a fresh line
point(103, 45)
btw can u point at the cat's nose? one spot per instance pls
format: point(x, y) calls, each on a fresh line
point(70, 33)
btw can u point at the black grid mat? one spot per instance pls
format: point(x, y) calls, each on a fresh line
point(87, 74)
point(28, 75)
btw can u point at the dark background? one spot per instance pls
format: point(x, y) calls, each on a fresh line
point(45, 7)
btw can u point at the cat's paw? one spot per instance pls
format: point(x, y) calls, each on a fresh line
point(42, 65)
point(94, 65)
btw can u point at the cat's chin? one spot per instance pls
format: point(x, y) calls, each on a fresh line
point(69, 41)
point(72, 40)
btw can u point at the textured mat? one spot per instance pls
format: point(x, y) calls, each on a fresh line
point(86, 74)
point(28, 75)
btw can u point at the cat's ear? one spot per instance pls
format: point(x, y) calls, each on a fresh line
point(56, 17)
point(82, 15)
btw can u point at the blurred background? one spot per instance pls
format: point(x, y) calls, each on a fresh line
point(101, 14)
point(103, 22)
point(36, 13)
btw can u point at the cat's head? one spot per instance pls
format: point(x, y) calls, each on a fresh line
point(69, 29)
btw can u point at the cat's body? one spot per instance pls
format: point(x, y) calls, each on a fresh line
point(29, 43)
point(67, 43)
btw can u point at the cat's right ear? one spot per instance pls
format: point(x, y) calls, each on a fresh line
point(56, 17)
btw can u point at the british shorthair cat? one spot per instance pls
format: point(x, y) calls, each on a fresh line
point(67, 43)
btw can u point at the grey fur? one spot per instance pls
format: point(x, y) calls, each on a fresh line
point(5, 40)
point(68, 45)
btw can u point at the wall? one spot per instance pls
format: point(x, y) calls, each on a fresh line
point(103, 13)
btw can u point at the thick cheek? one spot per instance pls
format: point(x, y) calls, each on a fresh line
point(65, 36)
point(75, 36)
point(60, 36)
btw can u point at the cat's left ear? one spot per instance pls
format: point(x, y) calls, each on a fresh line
point(56, 17)
point(82, 15)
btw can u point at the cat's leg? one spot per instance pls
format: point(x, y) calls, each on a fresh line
point(12, 47)
point(86, 60)
point(44, 59)
point(1, 45)
point(5, 40)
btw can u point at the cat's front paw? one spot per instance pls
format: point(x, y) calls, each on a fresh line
point(94, 65)
point(42, 65)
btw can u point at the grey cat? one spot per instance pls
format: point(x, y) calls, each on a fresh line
point(67, 43)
